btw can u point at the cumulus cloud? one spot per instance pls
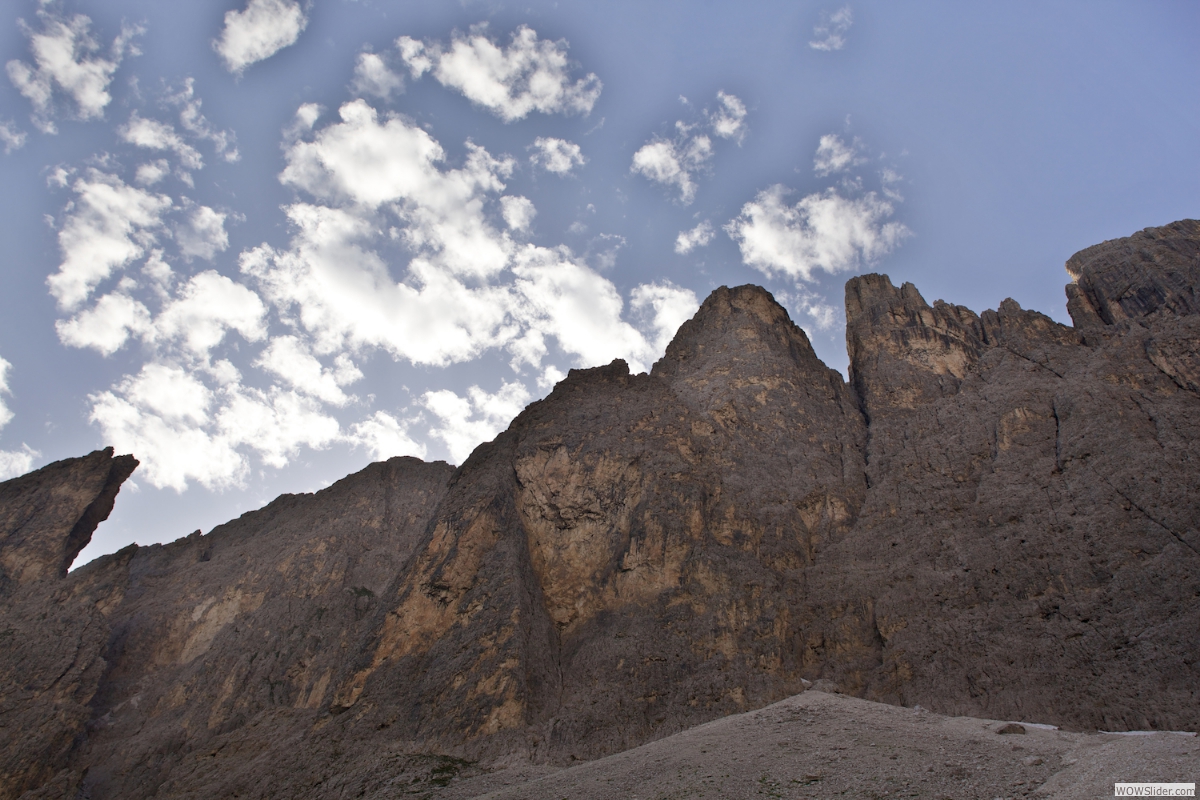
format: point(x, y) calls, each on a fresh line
point(108, 325)
point(665, 307)
point(529, 75)
point(834, 155)
point(466, 422)
point(830, 33)
point(392, 248)
point(699, 236)
point(152, 172)
point(67, 60)
point(206, 307)
point(154, 135)
point(824, 231)
point(11, 137)
point(810, 305)
point(518, 212)
point(109, 225)
point(195, 123)
point(385, 436)
point(673, 163)
point(556, 155)
point(729, 120)
point(183, 430)
point(12, 462)
point(289, 358)
point(676, 162)
point(260, 31)
point(202, 234)
point(6, 414)
point(372, 77)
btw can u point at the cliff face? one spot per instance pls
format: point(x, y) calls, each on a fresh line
point(996, 516)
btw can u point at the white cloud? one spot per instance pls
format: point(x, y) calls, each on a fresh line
point(518, 212)
point(11, 137)
point(818, 310)
point(372, 77)
point(154, 135)
point(385, 436)
point(152, 172)
point(890, 178)
point(830, 33)
point(468, 421)
point(108, 225)
point(165, 415)
point(676, 162)
point(556, 155)
point(276, 423)
point(198, 125)
point(107, 325)
point(290, 359)
point(16, 462)
point(6, 414)
point(834, 155)
point(673, 163)
point(207, 306)
point(12, 462)
point(823, 231)
point(699, 236)
point(550, 376)
point(666, 307)
point(581, 309)
point(260, 31)
point(529, 75)
point(729, 120)
point(203, 234)
point(375, 187)
point(66, 58)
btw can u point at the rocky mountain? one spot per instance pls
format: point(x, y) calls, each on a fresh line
point(997, 516)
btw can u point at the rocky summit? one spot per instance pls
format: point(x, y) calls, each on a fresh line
point(997, 517)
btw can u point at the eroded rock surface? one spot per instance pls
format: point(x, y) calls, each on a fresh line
point(996, 517)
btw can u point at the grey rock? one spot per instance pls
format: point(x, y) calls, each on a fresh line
point(995, 517)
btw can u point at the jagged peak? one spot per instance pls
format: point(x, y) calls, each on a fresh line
point(1156, 270)
point(738, 324)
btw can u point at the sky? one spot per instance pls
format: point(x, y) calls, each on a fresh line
point(262, 243)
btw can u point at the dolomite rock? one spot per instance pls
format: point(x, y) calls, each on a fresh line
point(995, 517)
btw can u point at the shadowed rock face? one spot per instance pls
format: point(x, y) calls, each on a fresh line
point(996, 516)
point(48, 516)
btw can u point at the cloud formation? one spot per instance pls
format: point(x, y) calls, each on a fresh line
point(729, 120)
point(260, 31)
point(67, 61)
point(823, 231)
point(699, 236)
point(12, 462)
point(465, 422)
point(372, 77)
point(834, 155)
point(110, 225)
point(676, 162)
point(11, 137)
point(830, 33)
point(392, 249)
point(556, 155)
point(511, 82)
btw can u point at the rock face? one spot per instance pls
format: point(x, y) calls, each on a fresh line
point(996, 516)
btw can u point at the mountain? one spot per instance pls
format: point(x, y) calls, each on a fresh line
point(996, 517)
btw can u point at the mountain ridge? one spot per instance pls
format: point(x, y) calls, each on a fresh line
point(995, 516)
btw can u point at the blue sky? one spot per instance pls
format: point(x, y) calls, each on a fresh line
point(260, 243)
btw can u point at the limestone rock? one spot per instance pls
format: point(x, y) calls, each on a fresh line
point(52, 631)
point(48, 516)
point(996, 517)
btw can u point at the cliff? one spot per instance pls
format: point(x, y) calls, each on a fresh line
point(996, 516)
